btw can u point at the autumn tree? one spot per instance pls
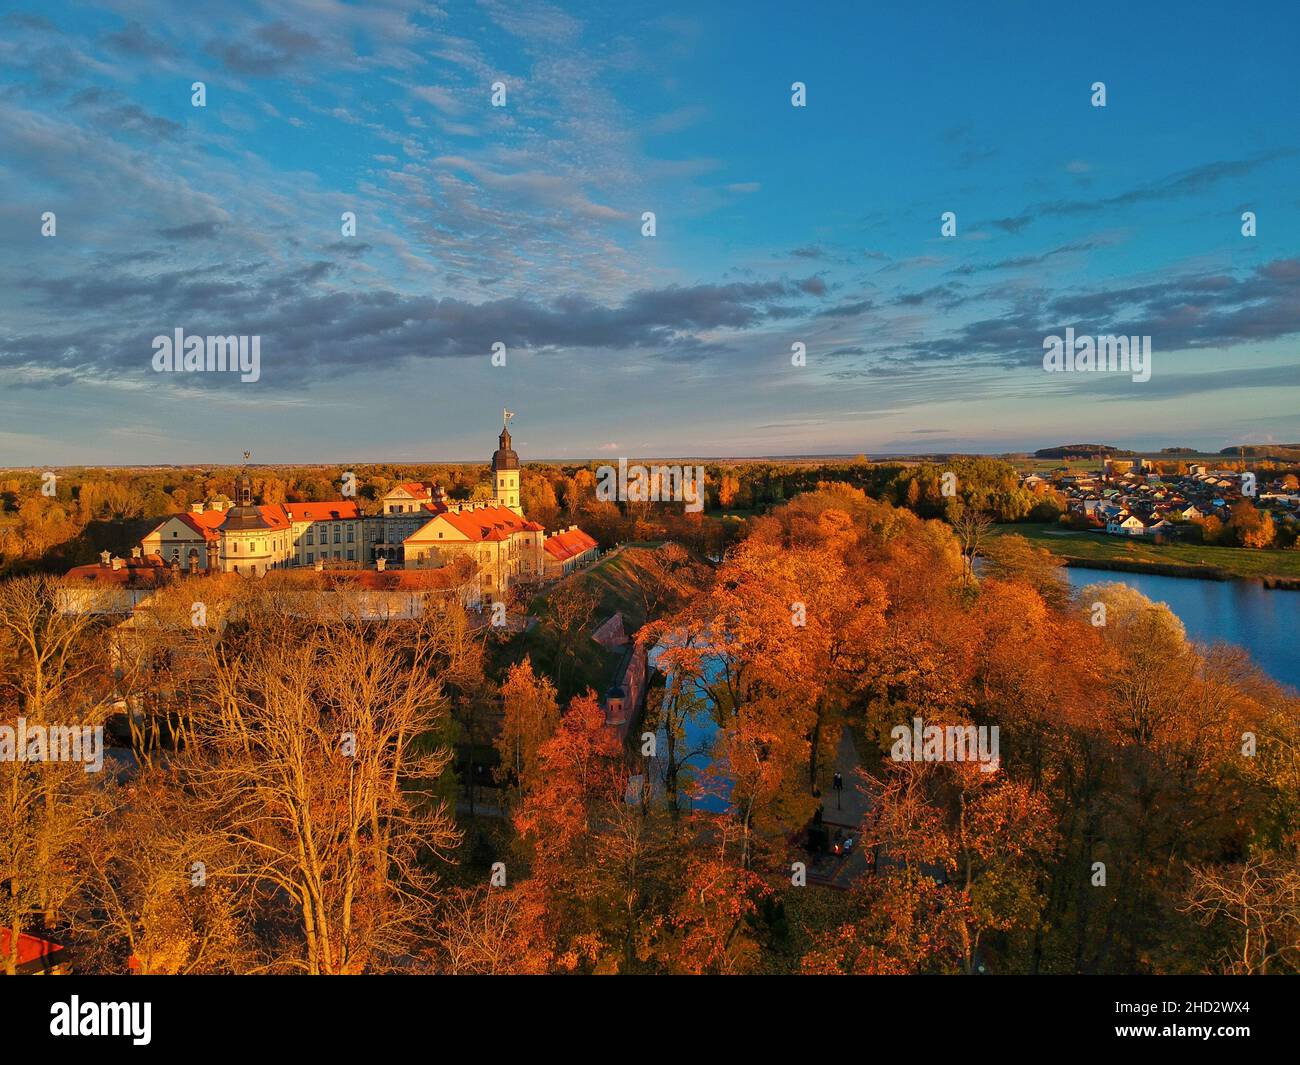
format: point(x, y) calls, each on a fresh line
point(491, 931)
point(314, 763)
point(51, 665)
point(530, 715)
point(582, 781)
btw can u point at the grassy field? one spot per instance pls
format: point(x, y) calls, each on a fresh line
point(1041, 466)
point(612, 581)
point(1033, 465)
point(1084, 547)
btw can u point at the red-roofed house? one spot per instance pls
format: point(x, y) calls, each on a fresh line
point(249, 540)
point(569, 549)
point(504, 545)
point(36, 956)
point(332, 531)
point(190, 541)
point(406, 498)
point(113, 585)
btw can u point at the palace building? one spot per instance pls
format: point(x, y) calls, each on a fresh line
point(417, 527)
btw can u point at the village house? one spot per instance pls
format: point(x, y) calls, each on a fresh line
point(1126, 526)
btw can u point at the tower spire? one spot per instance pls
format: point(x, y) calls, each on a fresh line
point(505, 468)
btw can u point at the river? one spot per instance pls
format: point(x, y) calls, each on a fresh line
point(1265, 621)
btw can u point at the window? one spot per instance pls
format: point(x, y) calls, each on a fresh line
point(311, 537)
point(352, 555)
point(311, 556)
point(338, 534)
point(349, 534)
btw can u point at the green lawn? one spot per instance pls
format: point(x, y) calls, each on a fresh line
point(1042, 466)
point(1086, 547)
point(613, 583)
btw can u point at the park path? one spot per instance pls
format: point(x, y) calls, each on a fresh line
point(844, 810)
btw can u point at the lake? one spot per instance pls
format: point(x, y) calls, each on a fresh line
point(1265, 621)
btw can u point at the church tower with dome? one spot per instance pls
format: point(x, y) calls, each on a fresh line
point(505, 470)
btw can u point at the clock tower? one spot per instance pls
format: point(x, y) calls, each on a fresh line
point(505, 470)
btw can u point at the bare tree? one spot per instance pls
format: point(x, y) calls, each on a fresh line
point(1261, 899)
point(972, 530)
point(491, 932)
point(50, 665)
point(315, 761)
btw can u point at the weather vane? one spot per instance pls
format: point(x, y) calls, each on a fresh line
point(247, 455)
point(507, 415)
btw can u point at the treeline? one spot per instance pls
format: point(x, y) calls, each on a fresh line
point(51, 524)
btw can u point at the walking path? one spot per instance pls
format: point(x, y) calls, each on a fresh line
point(844, 810)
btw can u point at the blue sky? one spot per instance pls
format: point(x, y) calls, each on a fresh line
point(522, 224)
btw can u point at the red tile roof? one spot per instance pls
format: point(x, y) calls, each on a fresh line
point(204, 524)
point(32, 950)
point(151, 571)
point(487, 523)
point(565, 545)
point(275, 516)
point(323, 511)
point(278, 516)
point(412, 488)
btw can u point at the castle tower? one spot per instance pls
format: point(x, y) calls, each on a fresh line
point(243, 489)
point(246, 537)
point(505, 470)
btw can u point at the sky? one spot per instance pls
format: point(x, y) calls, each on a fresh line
point(522, 225)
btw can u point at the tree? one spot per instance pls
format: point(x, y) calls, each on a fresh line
point(50, 670)
point(581, 781)
point(530, 717)
point(314, 764)
point(488, 931)
point(1253, 527)
point(1013, 558)
point(711, 925)
point(957, 856)
point(972, 529)
point(1259, 900)
point(160, 897)
point(571, 607)
point(664, 577)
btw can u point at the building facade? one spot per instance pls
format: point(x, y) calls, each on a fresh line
point(417, 527)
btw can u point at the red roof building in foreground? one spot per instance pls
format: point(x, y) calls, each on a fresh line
point(36, 956)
